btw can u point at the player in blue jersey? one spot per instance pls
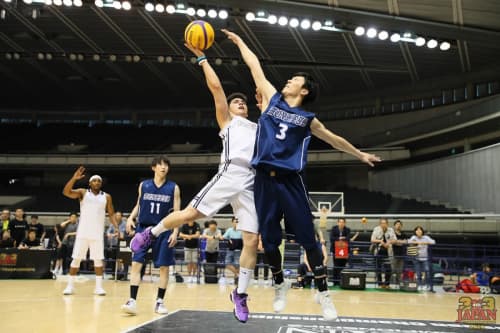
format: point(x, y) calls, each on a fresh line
point(280, 157)
point(157, 198)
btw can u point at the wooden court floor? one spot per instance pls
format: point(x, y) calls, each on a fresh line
point(39, 306)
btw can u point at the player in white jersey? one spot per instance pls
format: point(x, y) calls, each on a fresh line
point(233, 184)
point(90, 234)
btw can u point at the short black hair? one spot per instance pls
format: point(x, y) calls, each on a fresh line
point(34, 216)
point(234, 219)
point(212, 222)
point(311, 86)
point(398, 221)
point(236, 95)
point(160, 159)
point(419, 227)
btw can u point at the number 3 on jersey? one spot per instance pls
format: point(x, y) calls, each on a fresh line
point(153, 204)
point(283, 129)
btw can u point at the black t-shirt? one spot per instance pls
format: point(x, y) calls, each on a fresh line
point(31, 243)
point(399, 250)
point(6, 243)
point(39, 229)
point(18, 230)
point(191, 230)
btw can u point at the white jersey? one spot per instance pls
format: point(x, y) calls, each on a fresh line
point(238, 141)
point(92, 216)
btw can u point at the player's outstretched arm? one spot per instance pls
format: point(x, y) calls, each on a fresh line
point(320, 131)
point(265, 87)
point(68, 190)
point(111, 210)
point(215, 87)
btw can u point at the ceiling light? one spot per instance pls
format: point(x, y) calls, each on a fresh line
point(261, 13)
point(191, 11)
point(8, 56)
point(68, 3)
point(28, 2)
point(395, 37)
point(80, 57)
point(96, 57)
point(329, 23)
point(316, 25)
point(170, 9)
point(57, 2)
point(72, 56)
point(128, 58)
point(223, 14)
point(294, 23)
point(432, 43)
point(3, 13)
point(17, 56)
point(359, 31)
point(250, 16)
point(98, 3)
point(444, 46)
point(48, 56)
point(40, 56)
point(117, 4)
point(136, 58)
point(112, 58)
point(407, 35)
point(193, 60)
point(126, 5)
point(371, 33)
point(283, 20)
point(201, 12)
point(305, 24)
point(383, 35)
point(218, 61)
point(234, 62)
point(212, 13)
point(48, 2)
point(272, 19)
point(169, 59)
point(8, 1)
point(149, 7)
point(420, 41)
point(160, 8)
point(78, 3)
point(161, 59)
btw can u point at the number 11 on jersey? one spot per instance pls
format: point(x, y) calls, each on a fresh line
point(153, 204)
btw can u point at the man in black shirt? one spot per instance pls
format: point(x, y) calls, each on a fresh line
point(37, 226)
point(190, 232)
point(30, 241)
point(399, 252)
point(18, 226)
point(6, 241)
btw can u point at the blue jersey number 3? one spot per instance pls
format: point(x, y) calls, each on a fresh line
point(283, 129)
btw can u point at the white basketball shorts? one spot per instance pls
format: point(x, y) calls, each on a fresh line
point(83, 244)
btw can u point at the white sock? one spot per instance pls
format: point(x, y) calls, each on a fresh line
point(244, 280)
point(71, 280)
point(158, 229)
point(98, 281)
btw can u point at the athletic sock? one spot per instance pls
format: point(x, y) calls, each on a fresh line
point(161, 293)
point(133, 291)
point(244, 280)
point(71, 280)
point(98, 281)
point(158, 229)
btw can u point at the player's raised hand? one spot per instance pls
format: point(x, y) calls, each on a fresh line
point(196, 52)
point(369, 158)
point(232, 36)
point(79, 173)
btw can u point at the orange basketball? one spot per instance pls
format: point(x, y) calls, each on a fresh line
point(199, 34)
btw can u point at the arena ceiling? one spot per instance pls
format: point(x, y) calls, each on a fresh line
point(343, 63)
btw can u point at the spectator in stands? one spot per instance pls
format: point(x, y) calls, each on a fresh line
point(421, 261)
point(235, 244)
point(304, 271)
point(38, 227)
point(261, 260)
point(190, 232)
point(113, 235)
point(382, 238)
point(7, 241)
point(5, 219)
point(213, 235)
point(338, 235)
point(70, 226)
point(30, 242)
point(18, 226)
point(399, 252)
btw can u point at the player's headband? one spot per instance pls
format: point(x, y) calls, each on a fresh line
point(94, 177)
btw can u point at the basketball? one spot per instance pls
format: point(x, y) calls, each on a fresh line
point(199, 34)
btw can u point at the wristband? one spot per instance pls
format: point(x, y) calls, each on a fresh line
point(202, 61)
point(200, 58)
